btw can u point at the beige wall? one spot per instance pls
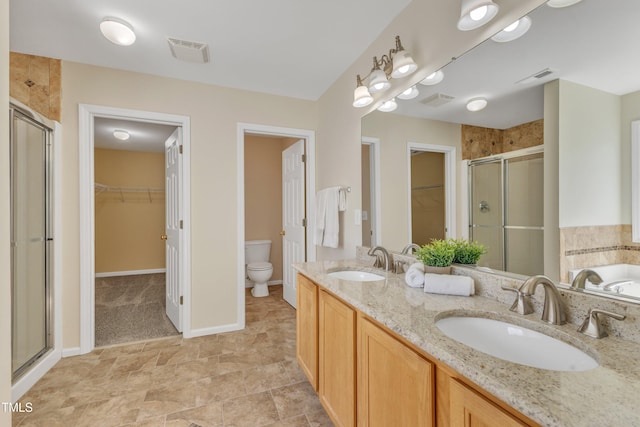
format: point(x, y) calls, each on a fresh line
point(214, 113)
point(129, 224)
point(428, 31)
point(630, 113)
point(263, 194)
point(5, 278)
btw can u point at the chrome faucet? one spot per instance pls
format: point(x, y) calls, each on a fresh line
point(522, 304)
point(380, 259)
point(553, 310)
point(583, 276)
point(592, 326)
point(409, 248)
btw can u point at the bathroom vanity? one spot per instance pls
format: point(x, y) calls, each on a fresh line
point(372, 351)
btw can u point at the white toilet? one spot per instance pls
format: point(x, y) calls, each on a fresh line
point(259, 269)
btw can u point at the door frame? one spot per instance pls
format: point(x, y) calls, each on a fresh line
point(449, 183)
point(374, 182)
point(309, 137)
point(87, 113)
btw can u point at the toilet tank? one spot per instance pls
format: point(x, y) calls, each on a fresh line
point(257, 251)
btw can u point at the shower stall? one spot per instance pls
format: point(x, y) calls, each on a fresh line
point(506, 211)
point(31, 239)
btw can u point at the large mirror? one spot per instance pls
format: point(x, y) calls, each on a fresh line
point(571, 82)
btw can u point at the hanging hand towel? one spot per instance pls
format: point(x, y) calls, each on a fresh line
point(449, 284)
point(321, 212)
point(414, 276)
point(332, 220)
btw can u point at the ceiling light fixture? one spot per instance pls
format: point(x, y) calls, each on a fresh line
point(361, 96)
point(475, 13)
point(410, 93)
point(118, 31)
point(396, 64)
point(476, 104)
point(122, 135)
point(513, 31)
point(562, 3)
point(433, 78)
point(388, 106)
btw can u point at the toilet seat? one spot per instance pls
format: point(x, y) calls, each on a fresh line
point(259, 266)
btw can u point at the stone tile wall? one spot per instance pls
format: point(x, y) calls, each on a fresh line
point(36, 81)
point(481, 142)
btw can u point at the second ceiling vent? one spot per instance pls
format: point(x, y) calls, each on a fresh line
point(189, 51)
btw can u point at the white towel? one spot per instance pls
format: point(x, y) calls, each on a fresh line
point(414, 276)
point(329, 202)
point(448, 284)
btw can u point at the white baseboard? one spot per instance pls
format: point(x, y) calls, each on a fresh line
point(214, 330)
point(131, 272)
point(34, 374)
point(69, 352)
point(249, 284)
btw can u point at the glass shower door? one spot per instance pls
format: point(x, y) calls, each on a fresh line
point(29, 241)
point(486, 211)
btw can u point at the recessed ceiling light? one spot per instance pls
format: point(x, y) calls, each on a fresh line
point(388, 106)
point(122, 135)
point(410, 93)
point(476, 104)
point(117, 31)
point(433, 78)
point(562, 3)
point(513, 31)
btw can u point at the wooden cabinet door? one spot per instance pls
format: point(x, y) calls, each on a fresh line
point(307, 329)
point(337, 352)
point(469, 409)
point(395, 384)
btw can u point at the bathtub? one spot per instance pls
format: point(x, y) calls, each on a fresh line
point(617, 279)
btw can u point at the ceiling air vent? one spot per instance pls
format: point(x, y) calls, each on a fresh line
point(437, 99)
point(189, 51)
point(536, 76)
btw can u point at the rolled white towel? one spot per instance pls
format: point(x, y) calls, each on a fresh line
point(449, 284)
point(414, 276)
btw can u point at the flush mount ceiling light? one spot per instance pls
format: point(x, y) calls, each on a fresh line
point(396, 64)
point(433, 78)
point(476, 104)
point(410, 93)
point(361, 96)
point(388, 106)
point(122, 135)
point(117, 31)
point(475, 13)
point(562, 3)
point(513, 31)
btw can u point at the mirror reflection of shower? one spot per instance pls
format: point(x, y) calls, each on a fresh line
point(31, 239)
point(506, 211)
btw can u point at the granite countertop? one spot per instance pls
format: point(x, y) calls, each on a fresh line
point(604, 396)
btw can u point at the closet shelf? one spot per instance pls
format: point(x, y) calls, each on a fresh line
point(102, 188)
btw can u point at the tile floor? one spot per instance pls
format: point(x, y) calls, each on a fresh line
point(244, 378)
point(131, 308)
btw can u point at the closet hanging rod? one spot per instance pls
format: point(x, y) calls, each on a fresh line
point(102, 188)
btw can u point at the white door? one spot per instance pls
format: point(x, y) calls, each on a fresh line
point(173, 236)
point(293, 217)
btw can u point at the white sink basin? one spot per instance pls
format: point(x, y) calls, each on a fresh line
point(356, 276)
point(516, 344)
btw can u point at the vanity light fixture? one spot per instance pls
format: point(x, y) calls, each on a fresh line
point(361, 96)
point(388, 106)
point(562, 3)
point(513, 31)
point(410, 93)
point(433, 78)
point(122, 135)
point(396, 64)
point(117, 31)
point(476, 104)
point(475, 13)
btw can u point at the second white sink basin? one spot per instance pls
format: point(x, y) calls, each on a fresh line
point(516, 344)
point(356, 275)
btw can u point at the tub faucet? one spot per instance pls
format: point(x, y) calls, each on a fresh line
point(583, 276)
point(409, 248)
point(380, 259)
point(553, 311)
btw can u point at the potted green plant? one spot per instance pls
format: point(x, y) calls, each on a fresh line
point(467, 252)
point(437, 256)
